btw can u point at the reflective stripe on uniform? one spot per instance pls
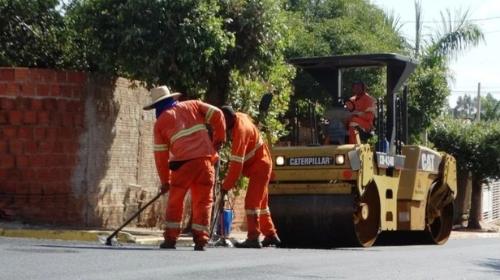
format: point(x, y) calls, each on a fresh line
point(199, 227)
point(353, 124)
point(370, 109)
point(252, 212)
point(265, 211)
point(252, 152)
point(249, 154)
point(210, 112)
point(172, 225)
point(162, 147)
point(186, 132)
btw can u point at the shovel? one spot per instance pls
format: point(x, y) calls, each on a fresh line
point(110, 241)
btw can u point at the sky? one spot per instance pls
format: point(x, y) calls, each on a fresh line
point(478, 65)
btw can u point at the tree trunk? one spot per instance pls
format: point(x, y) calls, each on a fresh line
point(218, 89)
point(476, 212)
point(462, 201)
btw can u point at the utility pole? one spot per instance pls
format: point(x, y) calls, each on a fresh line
point(478, 114)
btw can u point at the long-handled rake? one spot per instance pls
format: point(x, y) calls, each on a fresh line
point(110, 241)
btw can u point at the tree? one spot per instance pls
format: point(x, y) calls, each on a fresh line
point(465, 108)
point(490, 108)
point(476, 147)
point(33, 34)
point(197, 47)
point(324, 28)
point(429, 84)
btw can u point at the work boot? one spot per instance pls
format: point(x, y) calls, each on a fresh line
point(248, 244)
point(200, 247)
point(269, 241)
point(167, 245)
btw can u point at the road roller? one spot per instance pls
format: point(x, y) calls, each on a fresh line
point(351, 195)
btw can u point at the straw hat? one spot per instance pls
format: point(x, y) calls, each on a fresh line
point(160, 93)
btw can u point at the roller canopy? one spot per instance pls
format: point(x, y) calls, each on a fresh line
point(326, 70)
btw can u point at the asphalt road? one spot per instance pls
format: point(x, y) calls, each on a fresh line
point(48, 259)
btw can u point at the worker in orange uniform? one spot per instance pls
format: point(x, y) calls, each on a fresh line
point(362, 107)
point(250, 157)
point(184, 156)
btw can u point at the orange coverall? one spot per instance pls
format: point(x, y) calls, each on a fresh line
point(180, 135)
point(363, 114)
point(251, 157)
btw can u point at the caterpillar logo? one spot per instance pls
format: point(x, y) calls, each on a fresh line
point(429, 162)
point(307, 161)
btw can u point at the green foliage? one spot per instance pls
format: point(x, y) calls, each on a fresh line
point(429, 85)
point(323, 28)
point(476, 146)
point(32, 34)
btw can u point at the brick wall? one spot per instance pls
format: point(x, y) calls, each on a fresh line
point(74, 150)
point(41, 118)
point(77, 150)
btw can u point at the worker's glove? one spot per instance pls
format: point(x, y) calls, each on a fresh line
point(164, 188)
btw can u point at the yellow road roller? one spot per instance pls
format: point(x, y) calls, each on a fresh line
point(351, 195)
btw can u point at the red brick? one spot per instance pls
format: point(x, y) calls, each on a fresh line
point(44, 117)
point(4, 116)
point(15, 147)
point(7, 161)
point(28, 89)
point(78, 120)
point(39, 133)
point(51, 133)
point(15, 117)
point(22, 103)
point(43, 174)
point(62, 105)
point(78, 92)
point(21, 74)
point(21, 161)
point(25, 133)
point(37, 161)
point(30, 117)
point(23, 188)
point(7, 74)
point(7, 103)
point(49, 76)
point(4, 146)
point(65, 134)
point(50, 104)
point(57, 147)
point(66, 174)
point(3, 88)
point(30, 147)
point(36, 104)
point(45, 147)
point(77, 77)
point(55, 90)
point(67, 120)
point(42, 90)
point(9, 131)
point(35, 189)
point(55, 174)
point(56, 119)
point(71, 147)
point(14, 174)
point(3, 175)
point(35, 75)
point(62, 76)
point(67, 91)
point(29, 174)
point(13, 89)
point(9, 186)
